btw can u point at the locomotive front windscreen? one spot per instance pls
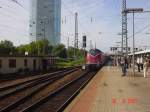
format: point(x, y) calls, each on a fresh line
point(94, 52)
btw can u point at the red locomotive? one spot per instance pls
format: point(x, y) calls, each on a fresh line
point(95, 58)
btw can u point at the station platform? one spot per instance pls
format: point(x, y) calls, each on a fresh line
point(108, 91)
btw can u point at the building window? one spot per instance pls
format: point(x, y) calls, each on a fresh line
point(45, 6)
point(25, 62)
point(39, 34)
point(12, 63)
point(0, 63)
point(41, 22)
point(34, 64)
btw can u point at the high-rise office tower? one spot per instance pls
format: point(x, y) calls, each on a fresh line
point(45, 20)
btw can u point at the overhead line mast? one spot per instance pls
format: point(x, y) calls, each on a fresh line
point(76, 34)
point(16, 1)
point(124, 44)
point(76, 30)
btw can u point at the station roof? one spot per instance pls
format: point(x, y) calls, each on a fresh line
point(140, 52)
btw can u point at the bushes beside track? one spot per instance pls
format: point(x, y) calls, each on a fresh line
point(69, 62)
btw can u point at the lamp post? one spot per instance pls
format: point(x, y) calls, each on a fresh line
point(133, 11)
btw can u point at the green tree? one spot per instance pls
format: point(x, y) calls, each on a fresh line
point(80, 53)
point(50, 49)
point(22, 49)
point(70, 52)
point(7, 47)
point(60, 51)
point(40, 47)
point(33, 48)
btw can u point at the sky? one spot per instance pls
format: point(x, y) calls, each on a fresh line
point(99, 20)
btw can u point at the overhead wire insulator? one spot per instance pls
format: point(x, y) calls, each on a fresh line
point(91, 19)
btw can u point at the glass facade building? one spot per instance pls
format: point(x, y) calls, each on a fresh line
point(45, 20)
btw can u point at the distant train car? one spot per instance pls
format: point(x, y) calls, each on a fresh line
point(95, 59)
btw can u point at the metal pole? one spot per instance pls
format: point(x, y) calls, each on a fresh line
point(76, 29)
point(133, 48)
point(76, 34)
point(44, 28)
point(44, 36)
point(68, 42)
point(126, 39)
point(44, 22)
point(84, 57)
point(38, 50)
point(90, 44)
point(124, 43)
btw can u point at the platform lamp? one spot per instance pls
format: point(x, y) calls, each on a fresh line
point(133, 11)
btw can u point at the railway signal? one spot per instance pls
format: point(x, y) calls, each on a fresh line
point(84, 46)
point(84, 41)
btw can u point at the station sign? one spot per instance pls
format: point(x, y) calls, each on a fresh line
point(113, 48)
point(134, 10)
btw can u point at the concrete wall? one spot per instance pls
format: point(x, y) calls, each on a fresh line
point(20, 64)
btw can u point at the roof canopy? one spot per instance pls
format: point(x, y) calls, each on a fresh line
point(140, 52)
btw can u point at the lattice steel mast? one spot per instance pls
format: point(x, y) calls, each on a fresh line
point(124, 45)
point(76, 30)
point(76, 34)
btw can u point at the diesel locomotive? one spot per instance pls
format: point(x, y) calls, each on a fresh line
point(95, 59)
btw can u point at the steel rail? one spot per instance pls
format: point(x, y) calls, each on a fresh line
point(41, 76)
point(53, 94)
point(31, 84)
point(19, 101)
point(63, 106)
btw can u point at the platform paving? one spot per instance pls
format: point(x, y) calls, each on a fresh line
point(110, 92)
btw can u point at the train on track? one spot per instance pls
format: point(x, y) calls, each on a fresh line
point(95, 59)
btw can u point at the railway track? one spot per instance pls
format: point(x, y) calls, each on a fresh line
point(9, 84)
point(50, 95)
point(5, 86)
point(61, 97)
point(11, 78)
point(13, 96)
point(9, 90)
